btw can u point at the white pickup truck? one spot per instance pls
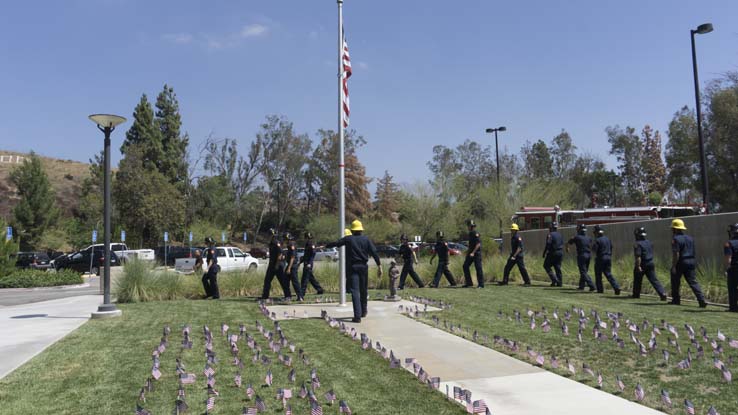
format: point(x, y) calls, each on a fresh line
point(124, 254)
point(230, 258)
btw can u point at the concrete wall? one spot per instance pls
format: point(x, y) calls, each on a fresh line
point(709, 232)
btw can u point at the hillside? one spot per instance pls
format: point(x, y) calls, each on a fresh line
point(66, 178)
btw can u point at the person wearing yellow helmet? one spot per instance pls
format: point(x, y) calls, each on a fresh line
point(358, 250)
point(347, 232)
point(516, 257)
point(683, 263)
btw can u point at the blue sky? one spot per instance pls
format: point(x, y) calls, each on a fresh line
point(425, 72)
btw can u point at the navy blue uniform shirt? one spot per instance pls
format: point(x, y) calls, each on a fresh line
point(731, 248)
point(442, 251)
point(406, 252)
point(684, 245)
point(212, 256)
point(290, 252)
point(644, 250)
point(603, 247)
point(475, 239)
point(275, 250)
point(358, 249)
point(583, 243)
point(554, 242)
point(516, 241)
point(309, 255)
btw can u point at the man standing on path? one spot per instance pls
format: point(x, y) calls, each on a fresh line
point(683, 263)
point(603, 260)
point(358, 250)
point(643, 251)
point(731, 265)
point(473, 255)
point(210, 279)
point(274, 267)
point(441, 249)
point(291, 267)
point(516, 257)
point(584, 253)
point(553, 254)
point(408, 261)
point(307, 267)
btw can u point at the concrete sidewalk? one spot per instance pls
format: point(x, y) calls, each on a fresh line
point(509, 386)
point(28, 329)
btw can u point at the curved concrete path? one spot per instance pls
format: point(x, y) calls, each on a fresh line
point(509, 386)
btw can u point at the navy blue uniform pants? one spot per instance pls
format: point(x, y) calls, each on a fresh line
point(584, 278)
point(649, 270)
point(292, 276)
point(308, 276)
point(520, 262)
point(733, 288)
point(604, 266)
point(477, 261)
point(553, 263)
point(210, 283)
point(407, 268)
point(275, 270)
point(688, 271)
point(359, 277)
point(443, 269)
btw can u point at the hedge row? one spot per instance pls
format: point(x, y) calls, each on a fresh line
point(29, 278)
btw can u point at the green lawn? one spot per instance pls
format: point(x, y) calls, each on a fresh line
point(100, 368)
point(703, 384)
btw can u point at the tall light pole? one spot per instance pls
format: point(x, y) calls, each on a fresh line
point(278, 180)
point(106, 123)
point(497, 162)
point(701, 30)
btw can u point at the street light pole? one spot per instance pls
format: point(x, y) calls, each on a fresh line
point(278, 180)
point(106, 123)
point(497, 162)
point(701, 29)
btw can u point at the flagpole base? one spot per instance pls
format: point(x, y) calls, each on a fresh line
point(107, 311)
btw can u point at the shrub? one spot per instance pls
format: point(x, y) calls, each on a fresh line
point(29, 278)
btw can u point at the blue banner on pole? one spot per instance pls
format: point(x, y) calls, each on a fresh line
point(190, 236)
point(245, 237)
point(122, 236)
point(222, 236)
point(166, 236)
point(9, 233)
point(94, 236)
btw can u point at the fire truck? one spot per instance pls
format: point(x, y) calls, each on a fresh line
point(529, 218)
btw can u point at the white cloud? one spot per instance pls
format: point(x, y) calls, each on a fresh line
point(178, 38)
point(254, 30)
point(362, 65)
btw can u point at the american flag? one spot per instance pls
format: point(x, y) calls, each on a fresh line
point(187, 378)
point(180, 406)
point(210, 404)
point(291, 376)
point(315, 383)
point(435, 382)
point(726, 374)
point(268, 378)
point(343, 408)
point(260, 404)
point(422, 375)
point(180, 392)
point(345, 75)
point(712, 411)
point(212, 391)
point(237, 380)
point(141, 411)
point(250, 411)
point(479, 407)
point(689, 406)
point(665, 398)
point(639, 392)
point(288, 409)
point(209, 371)
point(249, 391)
point(315, 408)
point(286, 393)
point(303, 391)
point(330, 396)
point(457, 392)
point(142, 395)
point(599, 380)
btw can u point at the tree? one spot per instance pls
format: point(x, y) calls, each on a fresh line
point(682, 153)
point(144, 136)
point(8, 248)
point(563, 155)
point(653, 165)
point(173, 158)
point(36, 210)
point(537, 160)
point(628, 148)
point(722, 145)
point(387, 197)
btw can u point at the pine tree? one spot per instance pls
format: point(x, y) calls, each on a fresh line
point(173, 163)
point(144, 135)
point(387, 197)
point(653, 165)
point(36, 211)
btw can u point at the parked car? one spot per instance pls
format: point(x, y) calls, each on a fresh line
point(33, 260)
point(172, 253)
point(261, 253)
point(326, 254)
point(124, 254)
point(229, 258)
point(81, 261)
point(388, 251)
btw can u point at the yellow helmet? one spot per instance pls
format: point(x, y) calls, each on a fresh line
point(347, 232)
point(514, 227)
point(678, 224)
point(356, 226)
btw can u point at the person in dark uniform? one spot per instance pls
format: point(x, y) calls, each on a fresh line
point(307, 267)
point(603, 260)
point(291, 266)
point(274, 267)
point(473, 255)
point(210, 278)
point(517, 252)
point(553, 254)
point(644, 265)
point(441, 249)
point(358, 250)
point(683, 263)
point(731, 264)
point(408, 261)
point(584, 254)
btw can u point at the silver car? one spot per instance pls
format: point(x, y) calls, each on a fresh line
point(326, 254)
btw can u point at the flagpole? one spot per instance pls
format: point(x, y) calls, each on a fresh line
point(341, 167)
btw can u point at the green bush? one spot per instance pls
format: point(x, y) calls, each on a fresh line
point(29, 278)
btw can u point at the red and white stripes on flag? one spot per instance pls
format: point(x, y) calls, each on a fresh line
point(345, 75)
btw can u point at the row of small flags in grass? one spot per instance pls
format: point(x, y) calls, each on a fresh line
point(276, 342)
point(615, 320)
